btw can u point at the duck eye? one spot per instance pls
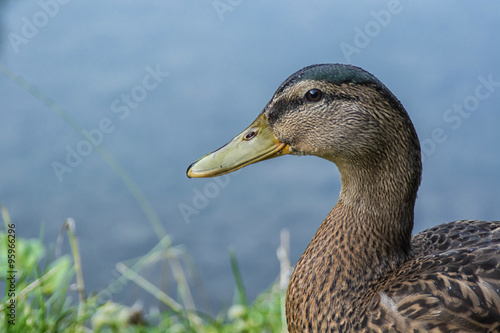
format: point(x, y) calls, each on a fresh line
point(314, 95)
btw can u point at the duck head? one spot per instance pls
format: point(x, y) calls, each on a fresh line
point(338, 112)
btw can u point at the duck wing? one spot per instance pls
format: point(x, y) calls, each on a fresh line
point(452, 283)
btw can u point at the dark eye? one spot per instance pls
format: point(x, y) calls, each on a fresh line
point(314, 95)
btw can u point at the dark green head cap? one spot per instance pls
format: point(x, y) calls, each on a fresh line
point(335, 74)
point(339, 74)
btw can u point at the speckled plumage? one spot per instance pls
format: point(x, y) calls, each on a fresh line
point(363, 271)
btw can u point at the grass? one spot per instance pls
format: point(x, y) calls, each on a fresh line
point(46, 301)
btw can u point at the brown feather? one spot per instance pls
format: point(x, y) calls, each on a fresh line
point(363, 272)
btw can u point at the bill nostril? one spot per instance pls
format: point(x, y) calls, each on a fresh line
point(250, 135)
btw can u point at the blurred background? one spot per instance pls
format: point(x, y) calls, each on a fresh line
point(105, 104)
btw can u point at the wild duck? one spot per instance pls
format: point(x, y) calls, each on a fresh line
point(363, 271)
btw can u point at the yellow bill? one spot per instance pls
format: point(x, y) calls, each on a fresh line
point(254, 144)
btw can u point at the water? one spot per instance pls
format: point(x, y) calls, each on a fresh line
point(157, 85)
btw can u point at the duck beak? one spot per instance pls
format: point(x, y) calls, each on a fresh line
point(254, 144)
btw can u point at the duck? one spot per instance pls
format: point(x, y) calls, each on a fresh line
point(363, 271)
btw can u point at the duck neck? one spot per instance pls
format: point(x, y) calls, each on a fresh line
point(377, 202)
point(364, 238)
